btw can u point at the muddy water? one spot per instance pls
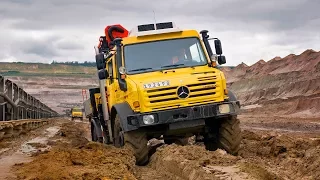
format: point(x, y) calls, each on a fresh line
point(227, 172)
point(8, 161)
point(23, 154)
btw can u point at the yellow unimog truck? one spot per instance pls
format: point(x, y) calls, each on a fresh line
point(162, 81)
point(76, 112)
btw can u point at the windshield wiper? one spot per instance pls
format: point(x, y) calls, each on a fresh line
point(141, 69)
point(172, 65)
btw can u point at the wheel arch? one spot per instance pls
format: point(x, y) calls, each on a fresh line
point(233, 98)
point(123, 110)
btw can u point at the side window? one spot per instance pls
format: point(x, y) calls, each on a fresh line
point(110, 70)
point(196, 54)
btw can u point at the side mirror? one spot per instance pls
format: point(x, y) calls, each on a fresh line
point(101, 64)
point(221, 59)
point(217, 45)
point(103, 74)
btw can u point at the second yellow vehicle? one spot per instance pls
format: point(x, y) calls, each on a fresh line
point(161, 81)
point(76, 112)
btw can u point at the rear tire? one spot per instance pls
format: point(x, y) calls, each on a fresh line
point(135, 140)
point(227, 136)
point(93, 133)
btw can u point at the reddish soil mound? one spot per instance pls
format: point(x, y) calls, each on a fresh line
point(293, 82)
point(295, 158)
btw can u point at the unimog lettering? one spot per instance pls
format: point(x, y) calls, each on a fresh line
point(156, 84)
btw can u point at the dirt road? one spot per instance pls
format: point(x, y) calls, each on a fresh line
point(62, 150)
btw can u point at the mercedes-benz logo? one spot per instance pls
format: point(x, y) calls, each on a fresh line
point(183, 92)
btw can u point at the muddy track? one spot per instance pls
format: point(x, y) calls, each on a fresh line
point(69, 154)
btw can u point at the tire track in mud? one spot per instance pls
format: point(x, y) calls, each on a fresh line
point(191, 162)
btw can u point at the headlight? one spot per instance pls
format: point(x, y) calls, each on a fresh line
point(148, 119)
point(224, 108)
point(122, 70)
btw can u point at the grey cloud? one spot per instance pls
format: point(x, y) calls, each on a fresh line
point(43, 47)
point(242, 25)
point(272, 15)
point(70, 44)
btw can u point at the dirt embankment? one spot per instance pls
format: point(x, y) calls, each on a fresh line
point(290, 85)
point(290, 156)
point(262, 156)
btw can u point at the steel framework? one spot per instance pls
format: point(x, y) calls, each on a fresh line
point(17, 104)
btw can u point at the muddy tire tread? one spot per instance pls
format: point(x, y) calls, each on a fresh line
point(137, 140)
point(230, 135)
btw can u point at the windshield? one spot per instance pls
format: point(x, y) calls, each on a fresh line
point(165, 54)
point(76, 110)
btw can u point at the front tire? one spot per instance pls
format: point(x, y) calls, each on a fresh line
point(135, 140)
point(226, 136)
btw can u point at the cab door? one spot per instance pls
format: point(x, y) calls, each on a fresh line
point(114, 94)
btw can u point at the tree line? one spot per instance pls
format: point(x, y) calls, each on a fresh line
point(76, 63)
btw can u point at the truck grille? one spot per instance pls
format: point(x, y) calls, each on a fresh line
point(204, 90)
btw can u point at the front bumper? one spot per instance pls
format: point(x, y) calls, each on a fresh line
point(185, 114)
point(77, 116)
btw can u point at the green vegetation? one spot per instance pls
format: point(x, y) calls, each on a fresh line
point(231, 67)
point(55, 69)
point(76, 63)
point(41, 69)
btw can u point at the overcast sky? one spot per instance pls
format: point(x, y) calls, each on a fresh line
point(67, 30)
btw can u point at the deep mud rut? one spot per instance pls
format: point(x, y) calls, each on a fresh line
point(62, 150)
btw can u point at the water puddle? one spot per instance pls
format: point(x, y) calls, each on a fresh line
point(252, 106)
point(23, 154)
point(227, 172)
point(79, 121)
point(8, 161)
point(51, 131)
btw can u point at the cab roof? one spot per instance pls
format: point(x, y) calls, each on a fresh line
point(158, 31)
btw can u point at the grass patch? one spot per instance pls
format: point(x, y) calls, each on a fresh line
point(48, 69)
point(27, 74)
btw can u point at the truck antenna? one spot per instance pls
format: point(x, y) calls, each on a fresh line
point(154, 16)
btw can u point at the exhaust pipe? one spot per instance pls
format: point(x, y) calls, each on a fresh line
point(102, 85)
